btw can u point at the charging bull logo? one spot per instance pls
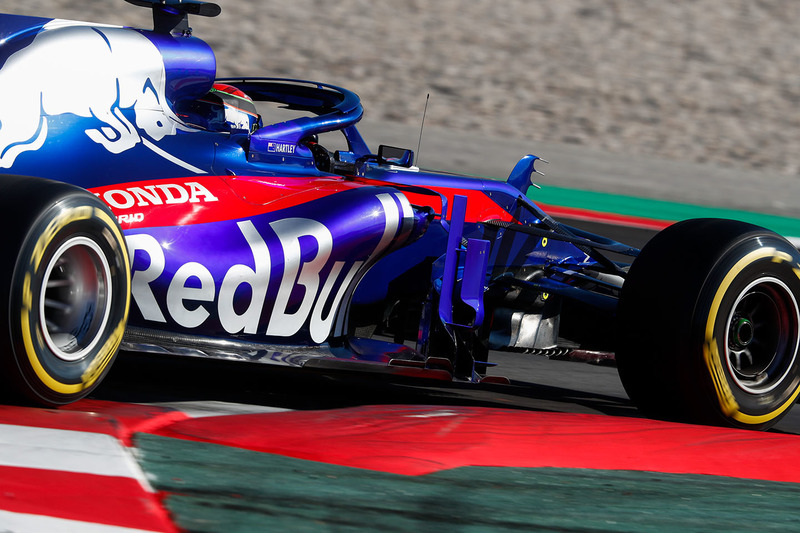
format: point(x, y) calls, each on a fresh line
point(90, 72)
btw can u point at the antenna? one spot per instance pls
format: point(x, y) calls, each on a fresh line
point(424, 112)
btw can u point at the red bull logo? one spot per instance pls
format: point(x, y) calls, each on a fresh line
point(296, 272)
point(90, 72)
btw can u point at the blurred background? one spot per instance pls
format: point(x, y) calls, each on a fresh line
point(703, 81)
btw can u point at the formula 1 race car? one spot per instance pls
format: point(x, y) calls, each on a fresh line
point(148, 205)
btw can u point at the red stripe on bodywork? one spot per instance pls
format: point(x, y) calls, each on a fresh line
point(116, 501)
point(419, 440)
point(204, 199)
point(198, 200)
point(480, 207)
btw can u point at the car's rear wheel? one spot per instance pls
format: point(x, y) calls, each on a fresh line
point(65, 290)
point(709, 325)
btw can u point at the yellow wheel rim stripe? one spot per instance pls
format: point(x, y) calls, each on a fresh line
point(109, 348)
point(711, 353)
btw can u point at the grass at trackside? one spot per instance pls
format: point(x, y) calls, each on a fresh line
point(217, 488)
point(657, 209)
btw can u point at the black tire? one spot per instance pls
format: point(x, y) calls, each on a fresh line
point(64, 290)
point(709, 325)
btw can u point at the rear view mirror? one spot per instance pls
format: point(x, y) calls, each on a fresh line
point(390, 155)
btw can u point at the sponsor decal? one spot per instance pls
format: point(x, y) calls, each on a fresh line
point(294, 275)
point(161, 194)
point(131, 218)
point(280, 148)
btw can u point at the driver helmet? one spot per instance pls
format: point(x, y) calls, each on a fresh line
point(225, 109)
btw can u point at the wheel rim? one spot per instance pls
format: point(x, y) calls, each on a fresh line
point(762, 336)
point(75, 301)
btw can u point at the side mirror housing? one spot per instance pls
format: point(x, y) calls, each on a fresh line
point(399, 157)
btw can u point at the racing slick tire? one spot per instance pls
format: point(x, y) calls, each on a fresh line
point(64, 291)
point(709, 325)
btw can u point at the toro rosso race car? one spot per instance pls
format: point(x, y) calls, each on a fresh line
point(149, 206)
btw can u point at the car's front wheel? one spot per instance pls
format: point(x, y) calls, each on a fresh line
point(65, 290)
point(709, 325)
